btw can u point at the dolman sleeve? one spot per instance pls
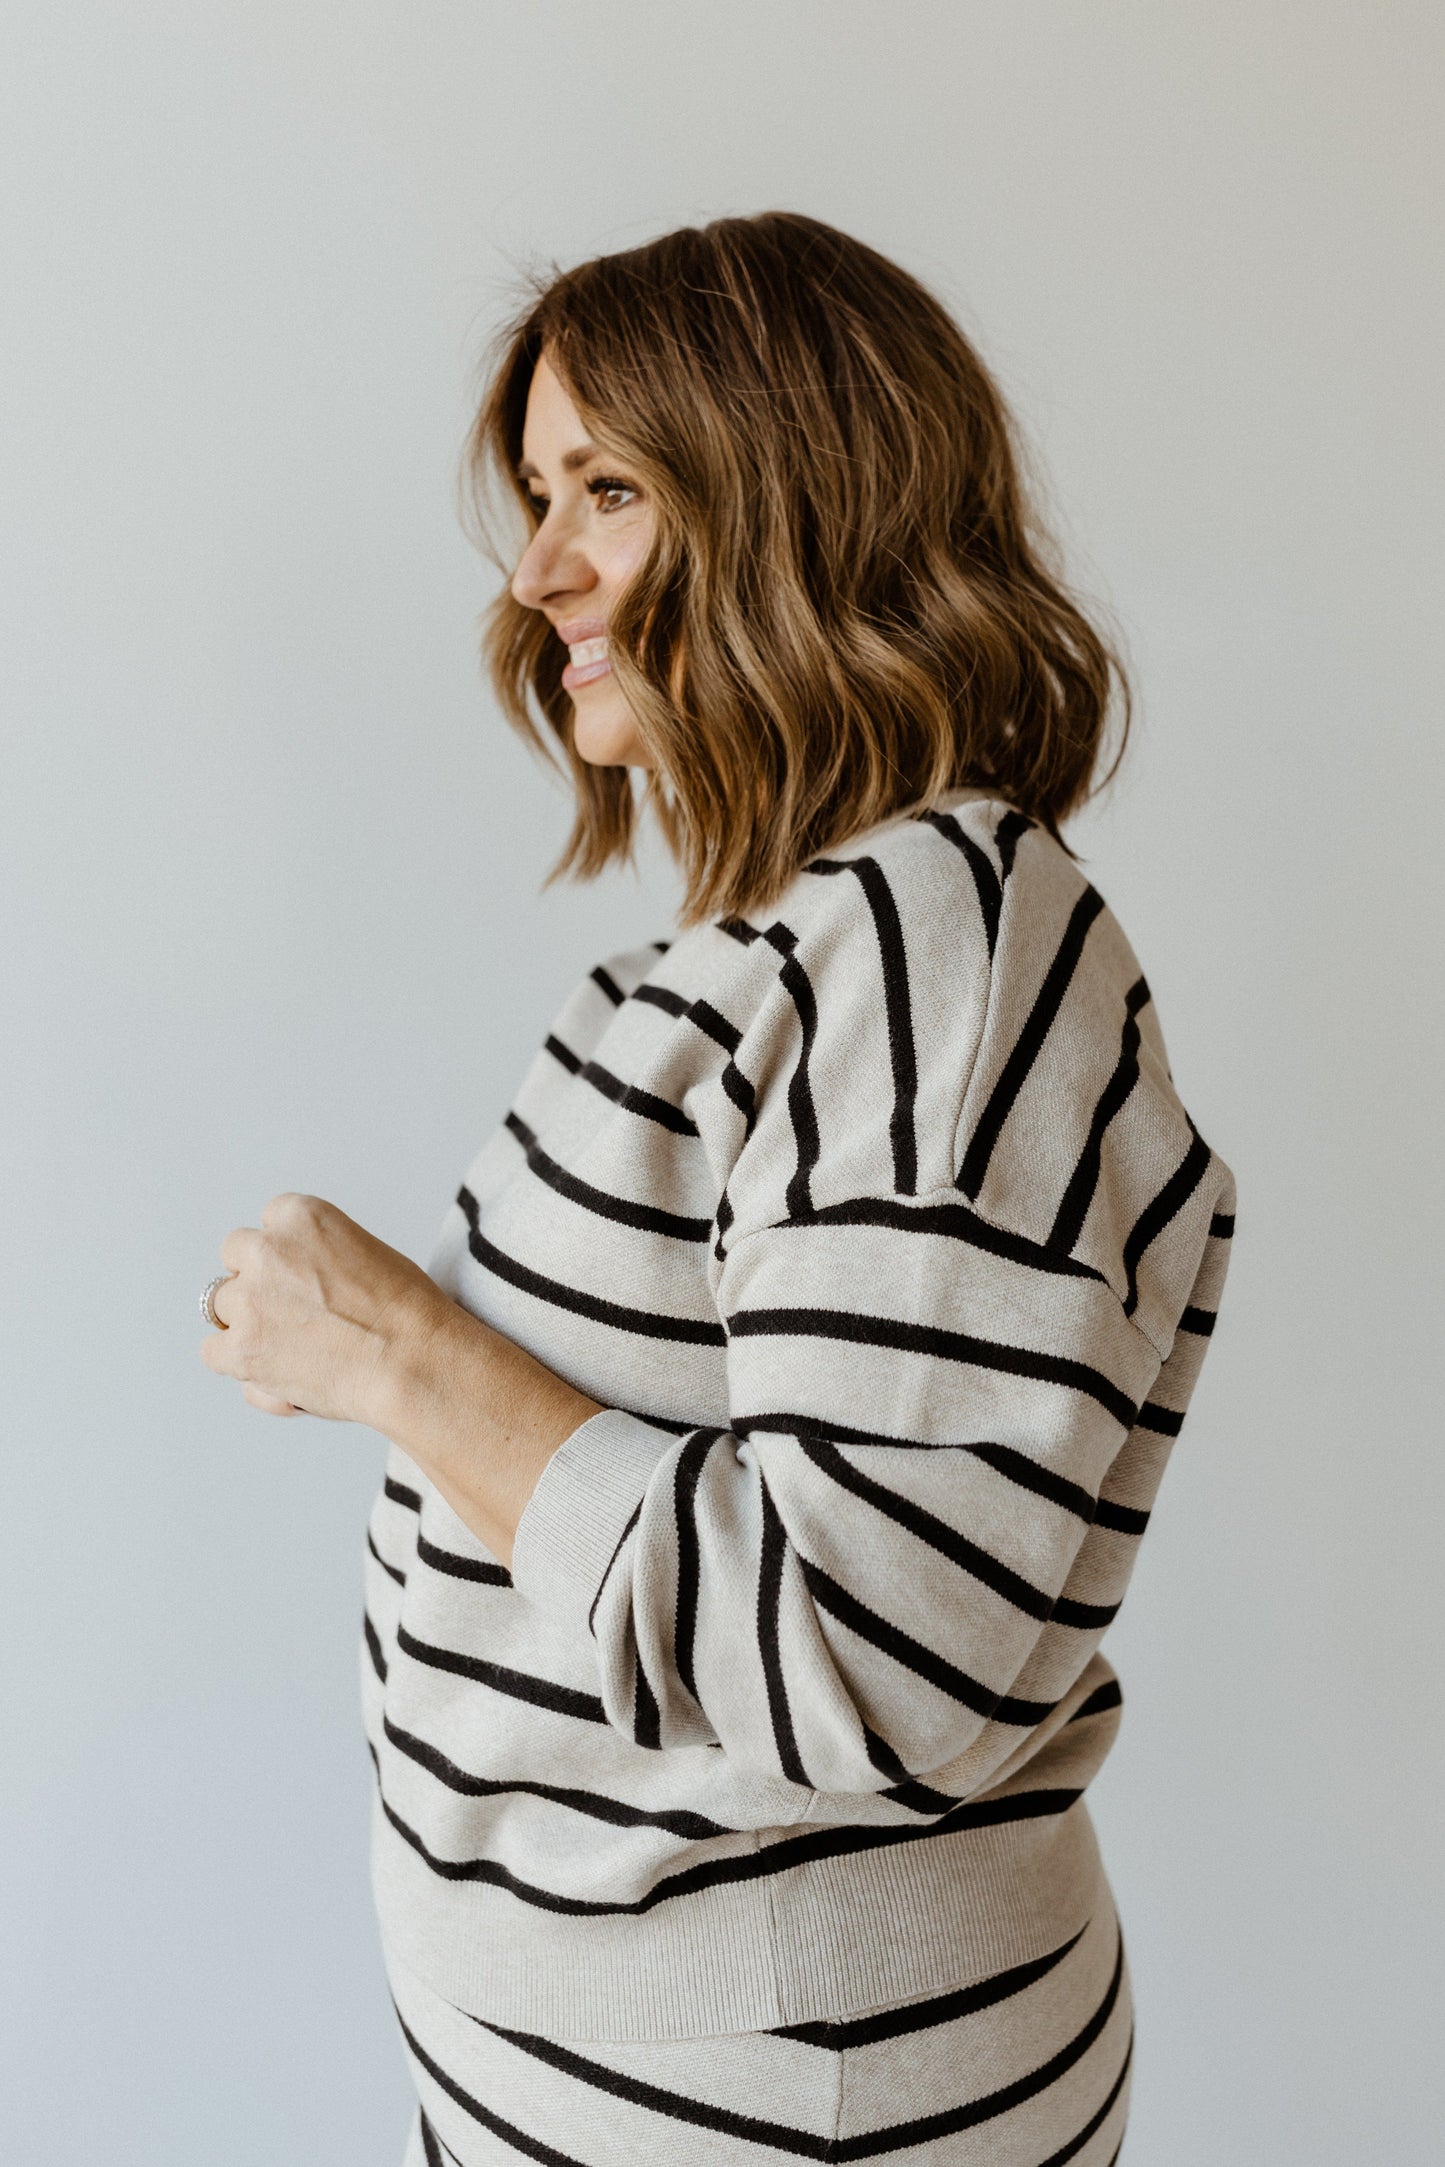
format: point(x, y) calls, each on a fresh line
point(894, 1563)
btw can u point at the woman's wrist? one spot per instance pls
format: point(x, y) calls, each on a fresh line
point(477, 1414)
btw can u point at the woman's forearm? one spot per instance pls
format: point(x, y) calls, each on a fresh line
point(479, 1416)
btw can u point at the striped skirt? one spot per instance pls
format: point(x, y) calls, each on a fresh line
point(1029, 2068)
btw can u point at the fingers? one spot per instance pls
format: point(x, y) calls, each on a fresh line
point(220, 1304)
point(278, 1309)
point(216, 1354)
point(268, 1402)
point(291, 1208)
point(285, 1213)
point(239, 1244)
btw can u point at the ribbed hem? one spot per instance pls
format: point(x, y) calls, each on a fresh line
point(576, 1516)
point(830, 1939)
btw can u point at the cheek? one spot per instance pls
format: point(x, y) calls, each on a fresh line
point(625, 554)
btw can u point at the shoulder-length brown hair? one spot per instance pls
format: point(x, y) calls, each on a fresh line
point(847, 608)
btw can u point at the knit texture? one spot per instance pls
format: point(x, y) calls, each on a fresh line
point(878, 1228)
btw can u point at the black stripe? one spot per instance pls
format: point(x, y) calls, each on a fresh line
point(715, 1026)
point(569, 1060)
point(1201, 1321)
point(1104, 1697)
point(630, 1096)
point(770, 1586)
point(1079, 1195)
point(1123, 1519)
point(401, 1495)
point(373, 1646)
point(917, 1797)
point(1007, 836)
point(431, 2144)
point(939, 1536)
point(985, 879)
point(708, 1019)
point(686, 1475)
point(663, 997)
point(801, 1109)
point(637, 2092)
point(908, 1338)
point(1221, 1226)
point(658, 1422)
point(394, 1571)
point(724, 1221)
point(920, 2016)
point(1017, 1467)
point(799, 1196)
point(958, 1222)
point(926, 2127)
point(1013, 1465)
point(609, 985)
point(485, 1570)
point(741, 1092)
point(635, 1100)
point(913, 1655)
point(696, 1331)
point(752, 1865)
point(920, 1797)
point(562, 1700)
point(646, 1715)
point(903, 1057)
point(1096, 2120)
point(1083, 1617)
point(807, 2144)
point(632, 1519)
point(1029, 1042)
point(1164, 1421)
point(507, 2131)
point(694, 1826)
point(647, 1217)
point(1167, 1205)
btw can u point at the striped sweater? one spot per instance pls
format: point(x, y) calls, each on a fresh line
point(878, 1229)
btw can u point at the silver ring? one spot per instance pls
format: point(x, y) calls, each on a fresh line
point(208, 1307)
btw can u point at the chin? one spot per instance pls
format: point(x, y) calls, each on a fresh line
point(604, 733)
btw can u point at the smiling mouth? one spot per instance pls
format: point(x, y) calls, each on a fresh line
point(588, 662)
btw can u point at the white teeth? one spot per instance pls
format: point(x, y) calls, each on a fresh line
point(588, 651)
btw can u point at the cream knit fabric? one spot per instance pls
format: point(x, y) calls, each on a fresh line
point(879, 1229)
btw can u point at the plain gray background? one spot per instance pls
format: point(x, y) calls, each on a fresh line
point(272, 920)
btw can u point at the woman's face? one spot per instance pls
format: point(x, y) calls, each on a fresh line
point(596, 529)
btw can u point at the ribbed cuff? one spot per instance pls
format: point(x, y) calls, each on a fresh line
point(574, 1519)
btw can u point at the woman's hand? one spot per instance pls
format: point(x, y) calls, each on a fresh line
point(324, 1319)
point(319, 1313)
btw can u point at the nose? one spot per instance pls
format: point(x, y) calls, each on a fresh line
point(551, 569)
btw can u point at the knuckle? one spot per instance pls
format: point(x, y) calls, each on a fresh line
point(238, 1245)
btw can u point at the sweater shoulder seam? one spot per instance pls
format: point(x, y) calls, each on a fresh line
point(948, 1194)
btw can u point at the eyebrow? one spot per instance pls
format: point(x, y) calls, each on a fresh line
point(571, 460)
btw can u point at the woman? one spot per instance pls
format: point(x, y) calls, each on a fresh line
point(772, 1436)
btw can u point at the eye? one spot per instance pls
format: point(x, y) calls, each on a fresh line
point(603, 486)
point(538, 505)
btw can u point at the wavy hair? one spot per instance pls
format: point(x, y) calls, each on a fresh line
point(848, 607)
